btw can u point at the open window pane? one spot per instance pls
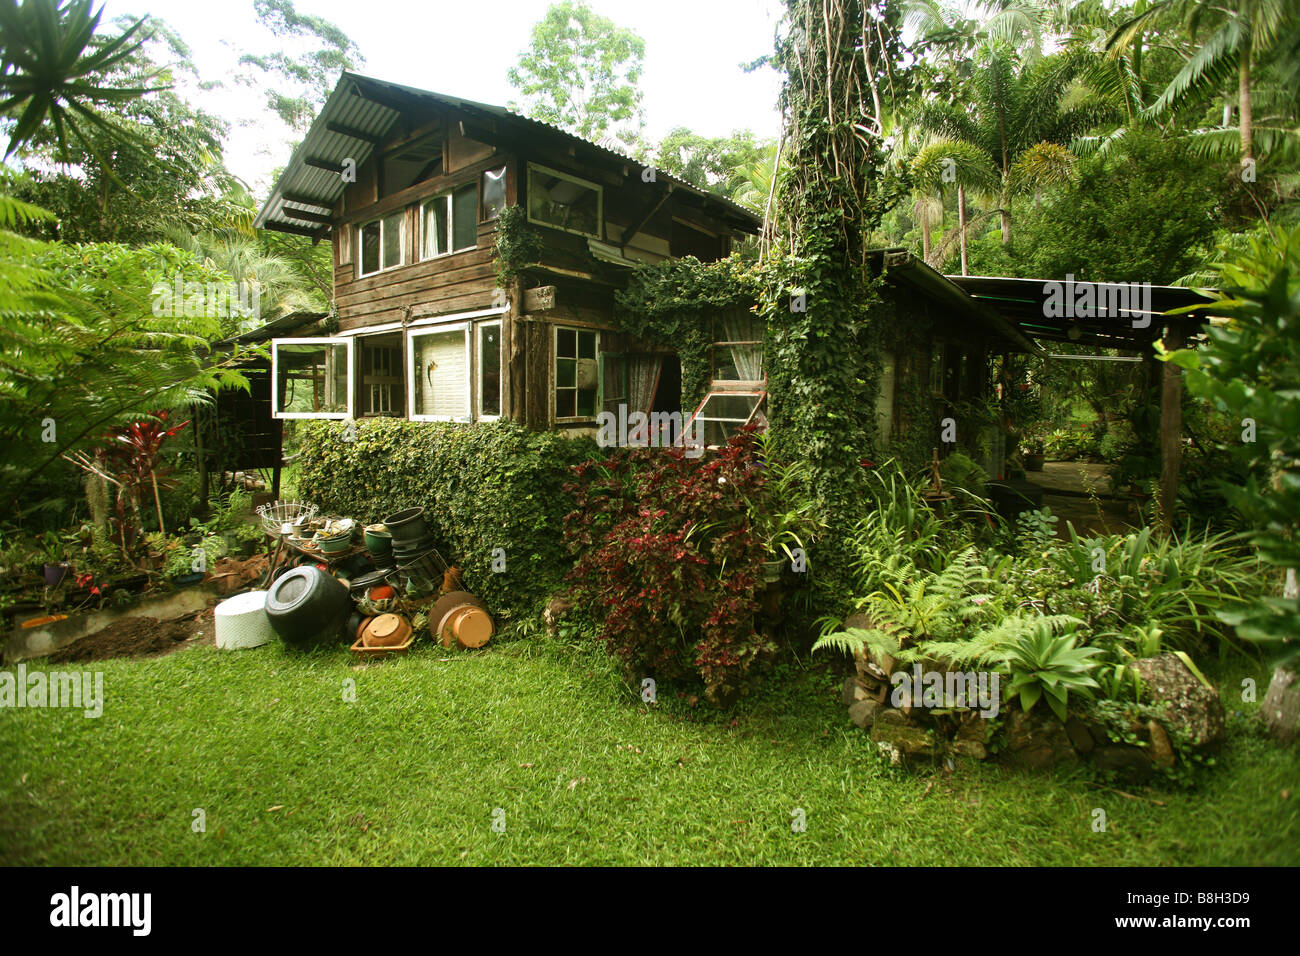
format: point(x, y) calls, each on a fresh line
point(564, 202)
point(494, 192)
point(370, 248)
point(489, 369)
point(434, 228)
point(440, 374)
point(723, 413)
point(311, 378)
point(464, 218)
point(392, 237)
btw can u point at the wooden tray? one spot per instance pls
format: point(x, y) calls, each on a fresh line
point(361, 650)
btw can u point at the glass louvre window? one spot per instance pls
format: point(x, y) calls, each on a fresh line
point(440, 374)
point(381, 243)
point(380, 371)
point(489, 369)
point(494, 192)
point(448, 223)
point(311, 378)
point(577, 379)
point(564, 202)
point(722, 413)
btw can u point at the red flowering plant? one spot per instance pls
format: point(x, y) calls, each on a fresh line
point(668, 561)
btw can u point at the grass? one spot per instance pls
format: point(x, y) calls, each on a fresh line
point(287, 772)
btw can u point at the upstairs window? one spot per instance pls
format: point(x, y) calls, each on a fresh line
point(382, 243)
point(564, 202)
point(494, 193)
point(449, 223)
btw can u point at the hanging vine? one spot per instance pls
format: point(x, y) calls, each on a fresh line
point(824, 334)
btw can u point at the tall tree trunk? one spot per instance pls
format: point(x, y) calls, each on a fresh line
point(961, 225)
point(925, 236)
point(1243, 94)
point(1005, 218)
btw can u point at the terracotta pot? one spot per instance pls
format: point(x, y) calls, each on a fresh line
point(387, 630)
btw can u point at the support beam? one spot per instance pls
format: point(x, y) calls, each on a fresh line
point(306, 216)
point(352, 133)
point(649, 214)
point(317, 163)
point(295, 230)
point(302, 200)
point(1171, 427)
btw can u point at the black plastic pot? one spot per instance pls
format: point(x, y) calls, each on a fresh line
point(406, 527)
point(306, 605)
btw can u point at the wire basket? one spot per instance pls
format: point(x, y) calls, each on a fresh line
point(423, 573)
point(274, 516)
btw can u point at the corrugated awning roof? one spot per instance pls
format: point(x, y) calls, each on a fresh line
point(360, 114)
point(1055, 310)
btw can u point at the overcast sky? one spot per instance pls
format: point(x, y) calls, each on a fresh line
point(692, 76)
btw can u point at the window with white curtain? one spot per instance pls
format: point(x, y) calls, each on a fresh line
point(440, 374)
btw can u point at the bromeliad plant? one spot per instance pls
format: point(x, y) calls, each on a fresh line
point(1047, 665)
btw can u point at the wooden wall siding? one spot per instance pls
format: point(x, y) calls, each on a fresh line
point(459, 282)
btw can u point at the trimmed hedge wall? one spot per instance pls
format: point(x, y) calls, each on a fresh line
point(483, 486)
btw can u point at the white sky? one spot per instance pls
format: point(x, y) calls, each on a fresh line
point(692, 74)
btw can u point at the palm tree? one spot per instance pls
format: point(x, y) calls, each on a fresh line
point(1010, 110)
point(947, 162)
point(1243, 35)
point(50, 63)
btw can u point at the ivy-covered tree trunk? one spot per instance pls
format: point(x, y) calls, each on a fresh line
point(823, 338)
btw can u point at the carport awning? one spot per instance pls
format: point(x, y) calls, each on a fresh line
point(1125, 316)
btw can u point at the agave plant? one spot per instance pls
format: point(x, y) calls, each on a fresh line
point(1048, 666)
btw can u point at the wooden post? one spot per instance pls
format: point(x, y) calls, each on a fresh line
point(517, 353)
point(1171, 427)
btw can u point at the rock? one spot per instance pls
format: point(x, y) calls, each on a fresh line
point(1122, 759)
point(1282, 705)
point(847, 695)
point(1037, 739)
point(1194, 709)
point(1080, 739)
point(969, 748)
point(1162, 751)
point(863, 713)
point(893, 729)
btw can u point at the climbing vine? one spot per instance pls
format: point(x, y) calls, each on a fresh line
point(517, 245)
point(672, 303)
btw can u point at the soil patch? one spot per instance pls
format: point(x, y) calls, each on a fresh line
point(140, 637)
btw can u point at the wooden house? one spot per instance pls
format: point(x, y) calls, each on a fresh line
point(409, 187)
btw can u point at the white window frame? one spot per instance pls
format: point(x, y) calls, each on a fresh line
point(401, 245)
point(760, 393)
point(378, 331)
point(477, 369)
point(275, 376)
point(413, 334)
point(600, 201)
point(451, 221)
point(554, 377)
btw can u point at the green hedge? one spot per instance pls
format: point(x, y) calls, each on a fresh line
point(483, 486)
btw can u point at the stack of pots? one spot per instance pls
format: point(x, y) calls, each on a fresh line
point(412, 546)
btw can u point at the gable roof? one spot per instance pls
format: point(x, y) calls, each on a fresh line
point(360, 114)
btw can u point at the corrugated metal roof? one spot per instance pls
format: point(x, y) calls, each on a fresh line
point(361, 103)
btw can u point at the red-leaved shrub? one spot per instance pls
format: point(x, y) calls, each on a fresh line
point(667, 562)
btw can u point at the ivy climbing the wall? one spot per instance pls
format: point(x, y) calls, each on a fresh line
point(674, 302)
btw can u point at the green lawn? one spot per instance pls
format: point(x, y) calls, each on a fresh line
point(289, 773)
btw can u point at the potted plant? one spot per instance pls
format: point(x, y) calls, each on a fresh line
point(53, 551)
